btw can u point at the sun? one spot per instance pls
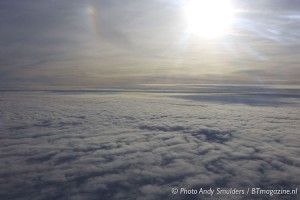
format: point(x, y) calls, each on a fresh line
point(209, 18)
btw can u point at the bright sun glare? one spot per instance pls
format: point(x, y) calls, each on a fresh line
point(209, 18)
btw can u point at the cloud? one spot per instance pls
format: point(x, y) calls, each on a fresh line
point(270, 5)
point(139, 146)
point(249, 99)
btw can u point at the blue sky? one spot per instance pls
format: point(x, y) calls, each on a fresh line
point(95, 44)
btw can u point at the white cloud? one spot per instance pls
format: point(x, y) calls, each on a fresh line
point(138, 146)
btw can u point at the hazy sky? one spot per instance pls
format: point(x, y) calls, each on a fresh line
point(110, 43)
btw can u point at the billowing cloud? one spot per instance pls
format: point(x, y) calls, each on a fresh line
point(141, 145)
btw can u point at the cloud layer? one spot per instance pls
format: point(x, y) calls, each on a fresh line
point(139, 146)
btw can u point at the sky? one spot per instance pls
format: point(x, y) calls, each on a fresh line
point(136, 97)
point(76, 44)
